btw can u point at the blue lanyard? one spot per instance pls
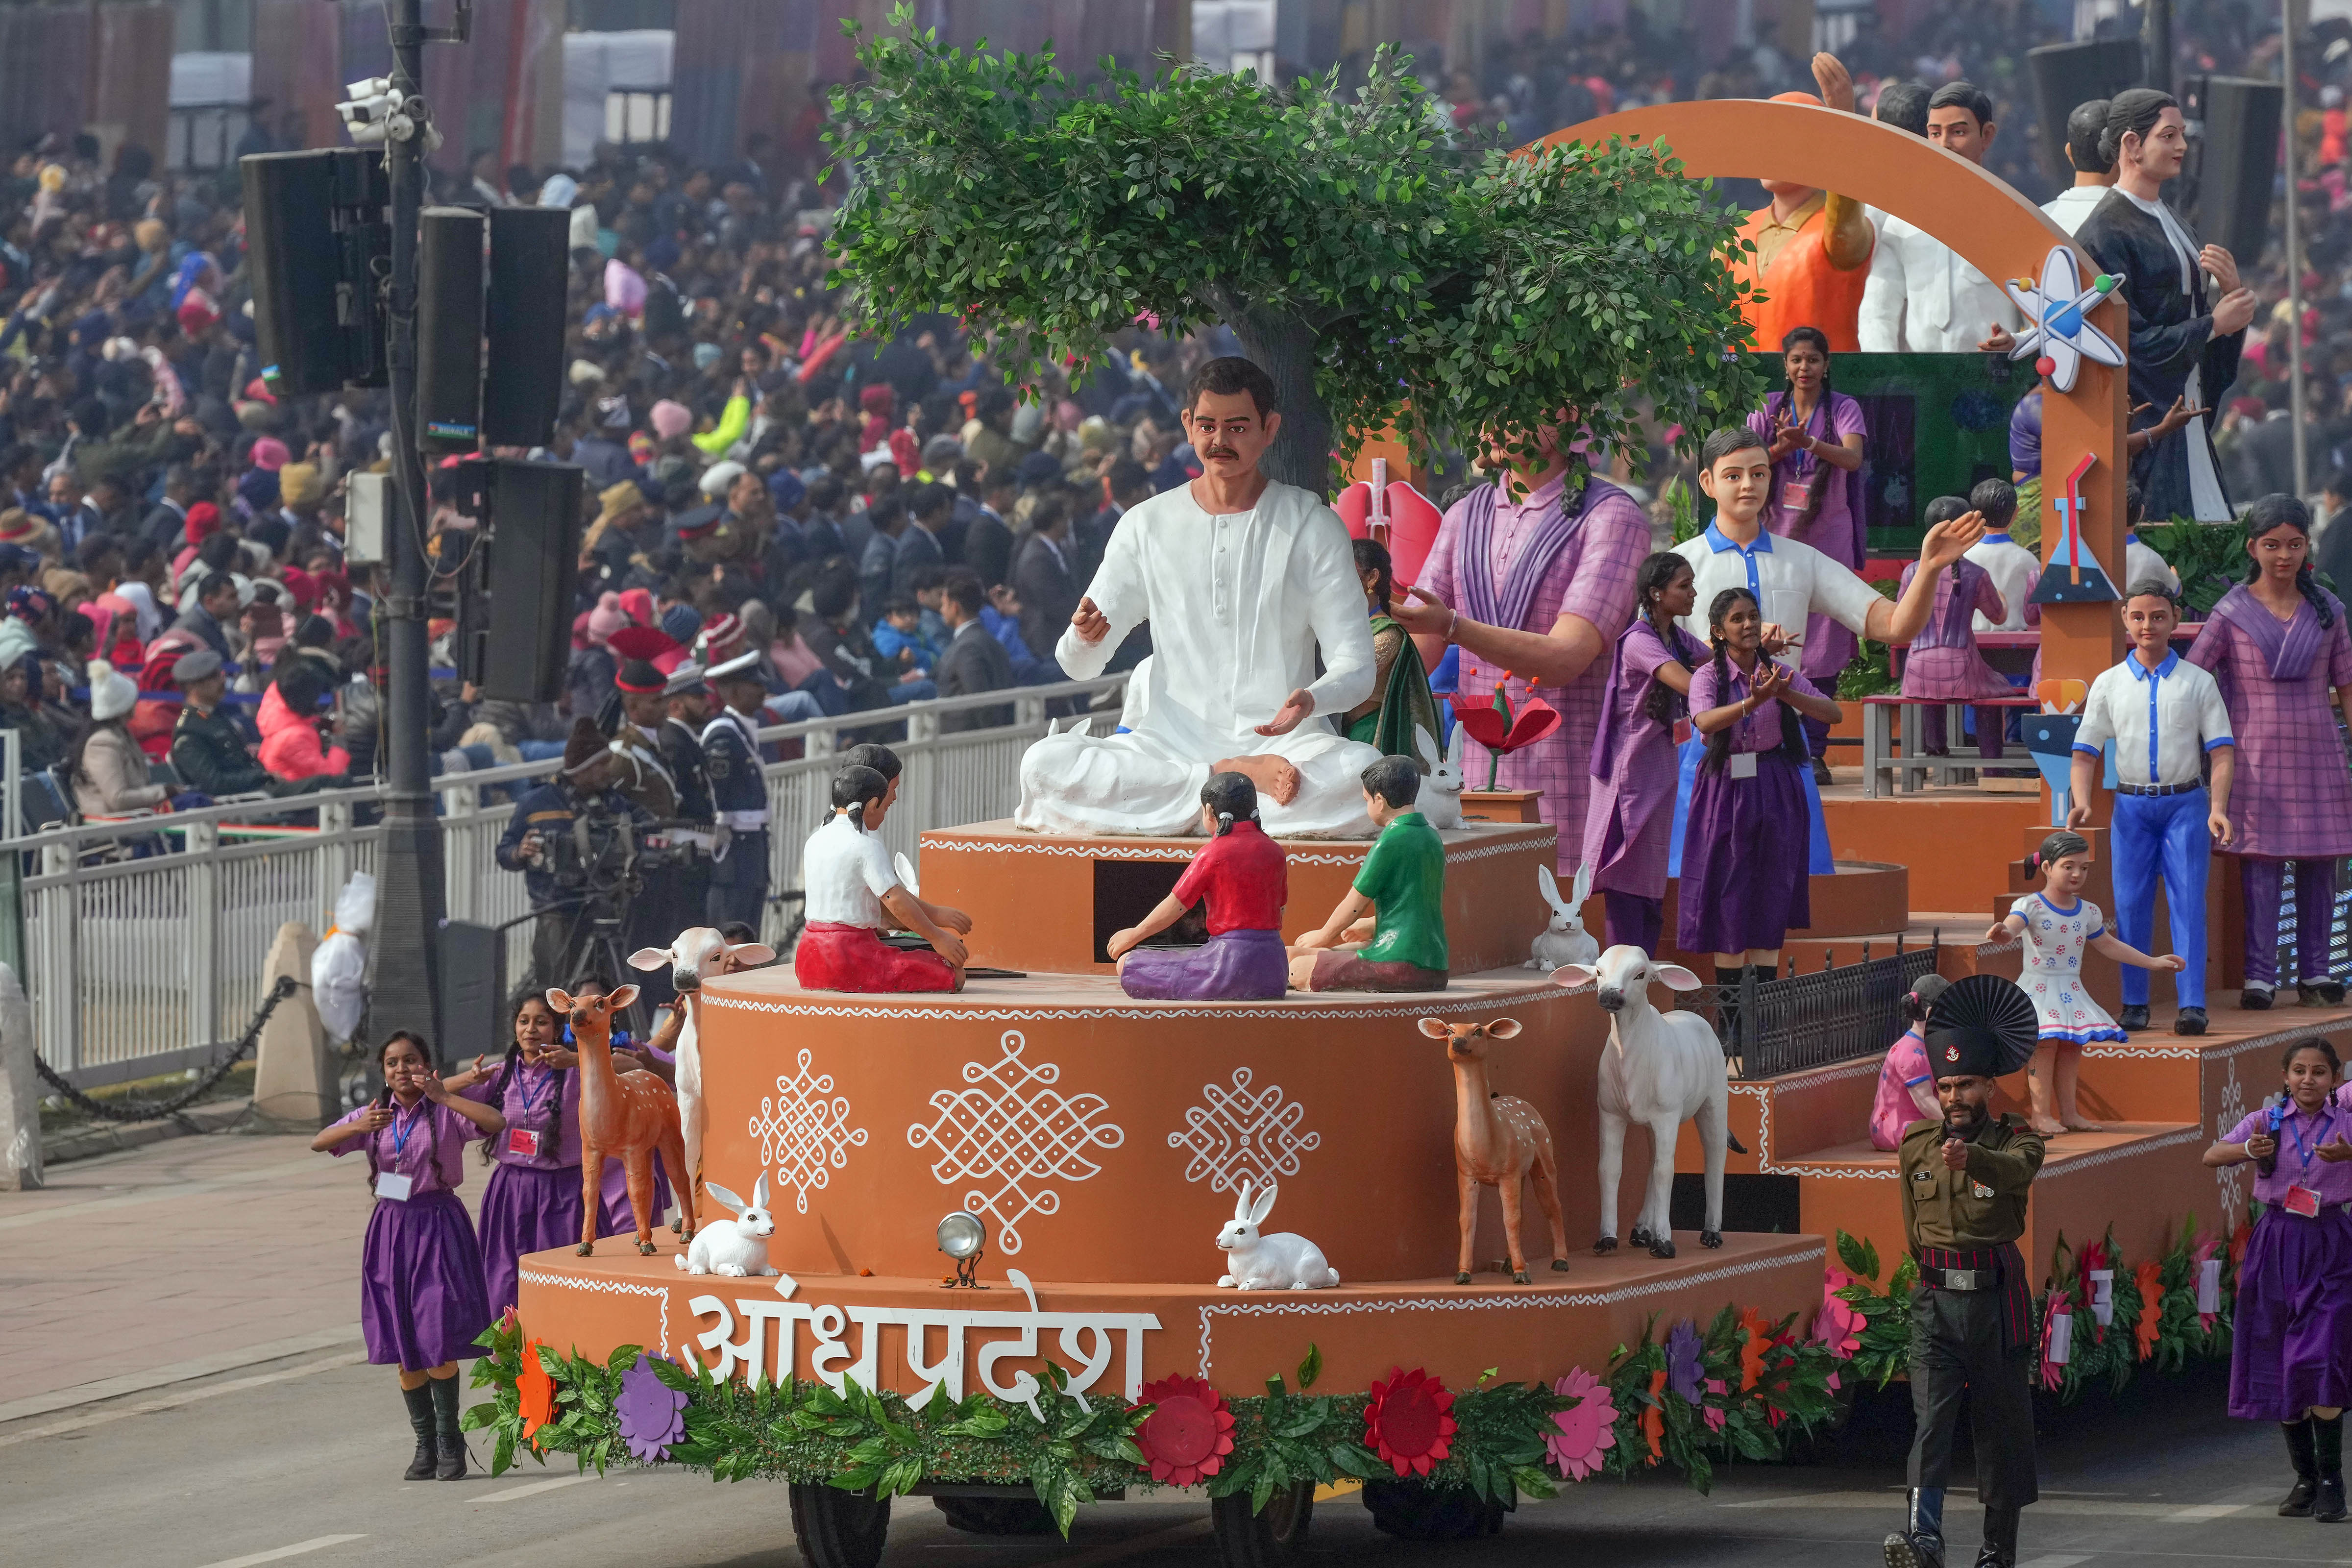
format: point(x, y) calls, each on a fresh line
point(2319, 1135)
point(529, 1100)
point(403, 1124)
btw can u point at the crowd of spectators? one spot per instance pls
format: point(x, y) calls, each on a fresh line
point(761, 477)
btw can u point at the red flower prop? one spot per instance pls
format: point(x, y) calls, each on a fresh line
point(537, 1391)
point(1755, 1348)
point(2149, 1277)
point(1653, 1417)
point(1410, 1422)
point(1506, 734)
point(1186, 1439)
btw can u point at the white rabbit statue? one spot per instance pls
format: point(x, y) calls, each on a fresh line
point(1278, 1262)
point(1441, 791)
point(1565, 941)
point(737, 1248)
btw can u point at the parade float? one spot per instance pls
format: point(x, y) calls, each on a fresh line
point(998, 1213)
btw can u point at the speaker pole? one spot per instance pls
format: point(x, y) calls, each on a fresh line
point(407, 984)
point(2156, 34)
point(2293, 247)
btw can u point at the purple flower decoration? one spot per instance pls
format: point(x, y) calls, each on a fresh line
point(1685, 1371)
point(652, 1413)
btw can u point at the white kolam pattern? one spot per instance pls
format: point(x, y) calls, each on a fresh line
point(1012, 1131)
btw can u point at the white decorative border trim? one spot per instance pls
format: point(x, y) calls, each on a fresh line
point(2273, 1040)
point(1186, 851)
point(2122, 1151)
point(1763, 1093)
point(609, 1288)
point(1500, 1302)
point(1438, 1002)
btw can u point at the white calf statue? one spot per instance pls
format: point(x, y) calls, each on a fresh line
point(1660, 1070)
point(697, 954)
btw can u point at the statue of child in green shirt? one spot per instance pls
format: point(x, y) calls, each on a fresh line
point(1403, 881)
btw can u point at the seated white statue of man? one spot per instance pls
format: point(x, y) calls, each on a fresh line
point(1244, 582)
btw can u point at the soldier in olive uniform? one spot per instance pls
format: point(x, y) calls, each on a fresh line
point(1966, 1179)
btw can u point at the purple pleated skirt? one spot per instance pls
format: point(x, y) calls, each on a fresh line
point(421, 1300)
point(1745, 857)
point(2292, 1343)
point(1237, 966)
point(529, 1209)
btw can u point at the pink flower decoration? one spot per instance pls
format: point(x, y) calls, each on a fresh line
point(1715, 1414)
point(1585, 1432)
point(1837, 1325)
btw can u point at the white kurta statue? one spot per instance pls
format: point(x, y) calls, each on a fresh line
point(1245, 582)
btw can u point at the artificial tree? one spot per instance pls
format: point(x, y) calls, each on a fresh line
point(1386, 278)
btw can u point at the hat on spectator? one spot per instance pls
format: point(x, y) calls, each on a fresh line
point(258, 391)
point(197, 313)
point(686, 678)
point(16, 525)
point(269, 454)
point(701, 522)
point(905, 452)
point(111, 694)
point(17, 558)
point(612, 412)
point(619, 500)
point(680, 623)
point(785, 490)
point(29, 604)
point(1037, 468)
point(742, 667)
point(941, 452)
point(706, 355)
point(606, 618)
point(193, 667)
point(299, 484)
point(670, 419)
point(204, 521)
point(720, 478)
point(718, 635)
point(637, 604)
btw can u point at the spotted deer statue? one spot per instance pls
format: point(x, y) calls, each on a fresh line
point(623, 1116)
point(1500, 1142)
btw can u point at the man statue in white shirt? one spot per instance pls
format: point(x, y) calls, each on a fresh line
point(2093, 174)
point(1922, 298)
point(1245, 584)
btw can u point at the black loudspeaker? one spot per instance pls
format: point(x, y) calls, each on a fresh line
point(449, 330)
point(2232, 161)
point(2067, 75)
point(534, 550)
point(530, 274)
point(473, 992)
point(319, 238)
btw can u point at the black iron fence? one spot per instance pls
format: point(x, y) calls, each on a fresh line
point(1838, 1013)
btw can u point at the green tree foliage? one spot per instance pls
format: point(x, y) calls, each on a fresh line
point(1382, 277)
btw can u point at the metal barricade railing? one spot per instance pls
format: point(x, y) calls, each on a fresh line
point(1838, 1013)
point(144, 938)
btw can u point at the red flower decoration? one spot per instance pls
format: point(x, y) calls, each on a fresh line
point(1753, 1350)
point(1410, 1422)
point(1186, 1439)
point(1484, 723)
point(1654, 1418)
point(537, 1391)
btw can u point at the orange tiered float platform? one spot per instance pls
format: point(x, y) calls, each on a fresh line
point(1100, 1140)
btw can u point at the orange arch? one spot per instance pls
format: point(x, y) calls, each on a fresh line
point(1994, 229)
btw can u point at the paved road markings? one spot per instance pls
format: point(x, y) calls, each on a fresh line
point(538, 1487)
point(2169, 1512)
point(316, 1542)
point(150, 1406)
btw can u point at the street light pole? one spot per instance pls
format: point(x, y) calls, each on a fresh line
point(407, 991)
point(2294, 249)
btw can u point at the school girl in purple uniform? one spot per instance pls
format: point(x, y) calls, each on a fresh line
point(1629, 820)
point(421, 1304)
point(2291, 1353)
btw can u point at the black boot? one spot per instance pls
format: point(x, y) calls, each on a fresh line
point(420, 1416)
point(1727, 1006)
point(2301, 1448)
point(2000, 1548)
point(2327, 1445)
point(1920, 1542)
point(451, 1441)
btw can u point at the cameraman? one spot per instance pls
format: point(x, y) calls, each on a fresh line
point(529, 845)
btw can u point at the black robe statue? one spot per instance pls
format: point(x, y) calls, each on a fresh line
point(2171, 335)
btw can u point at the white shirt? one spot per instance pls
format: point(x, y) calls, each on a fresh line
point(1922, 298)
point(2161, 722)
point(2141, 562)
point(2071, 207)
point(1239, 606)
point(1789, 578)
point(844, 874)
point(2014, 570)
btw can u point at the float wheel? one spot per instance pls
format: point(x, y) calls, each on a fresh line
point(996, 1515)
point(835, 1529)
point(1276, 1534)
point(1412, 1510)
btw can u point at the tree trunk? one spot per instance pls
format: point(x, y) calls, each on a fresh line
point(1283, 344)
